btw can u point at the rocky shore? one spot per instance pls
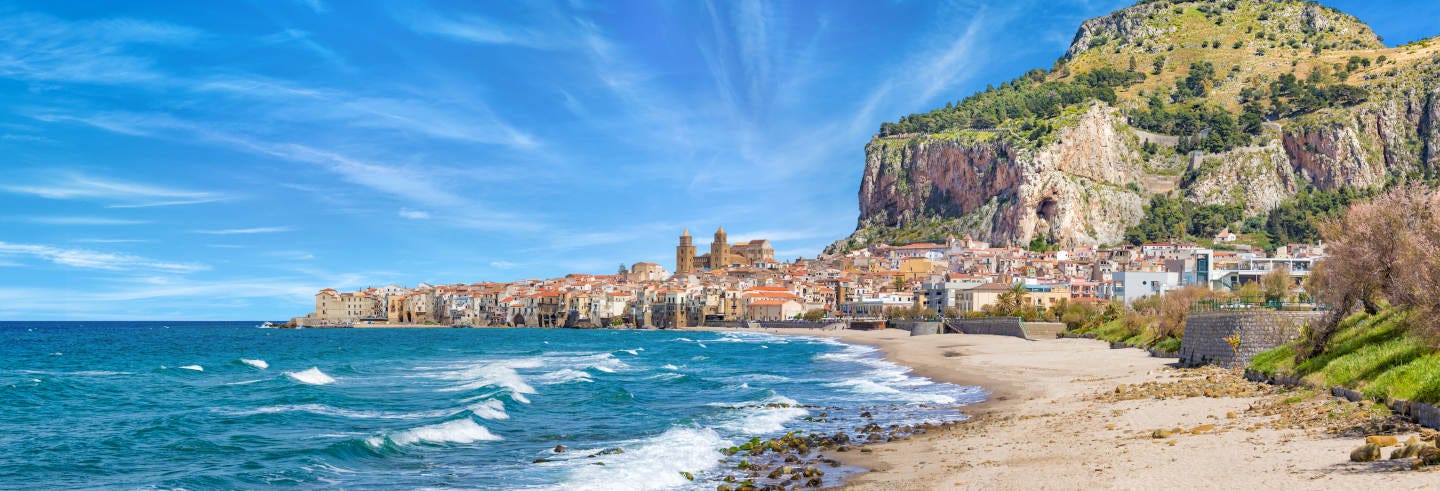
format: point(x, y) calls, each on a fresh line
point(1074, 414)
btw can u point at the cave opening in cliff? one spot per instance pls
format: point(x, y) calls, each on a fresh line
point(1046, 210)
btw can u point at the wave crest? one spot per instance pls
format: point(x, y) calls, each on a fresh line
point(311, 376)
point(462, 430)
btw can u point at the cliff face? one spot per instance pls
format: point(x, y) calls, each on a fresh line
point(1087, 179)
point(1395, 136)
point(1073, 187)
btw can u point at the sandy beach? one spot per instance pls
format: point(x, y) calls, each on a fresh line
point(1054, 420)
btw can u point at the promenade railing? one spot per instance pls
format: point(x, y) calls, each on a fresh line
point(1234, 304)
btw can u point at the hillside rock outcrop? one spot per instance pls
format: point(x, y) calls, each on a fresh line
point(1081, 186)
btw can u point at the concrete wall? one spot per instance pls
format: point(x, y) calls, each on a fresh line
point(917, 328)
point(997, 326)
point(1043, 330)
point(1258, 330)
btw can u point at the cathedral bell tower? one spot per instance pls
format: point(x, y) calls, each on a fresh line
point(719, 251)
point(685, 254)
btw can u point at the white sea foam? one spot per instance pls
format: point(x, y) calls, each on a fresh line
point(871, 387)
point(604, 362)
point(884, 378)
point(763, 419)
point(651, 463)
point(197, 368)
point(327, 410)
point(750, 337)
point(489, 409)
point(311, 376)
point(243, 382)
point(496, 374)
point(761, 378)
point(255, 363)
point(670, 367)
point(564, 376)
point(702, 345)
point(462, 430)
point(635, 351)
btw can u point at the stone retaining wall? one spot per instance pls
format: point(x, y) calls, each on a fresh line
point(1258, 330)
point(997, 326)
point(1424, 414)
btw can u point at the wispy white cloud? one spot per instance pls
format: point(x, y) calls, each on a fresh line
point(781, 235)
point(306, 42)
point(245, 231)
point(502, 264)
point(16, 137)
point(111, 241)
point(925, 73)
point(291, 255)
point(119, 194)
point(482, 30)
point(414, 214)
point(316, 6)
point(418, 185)
point(87, 259)
point(82, 221)
point(40, 47)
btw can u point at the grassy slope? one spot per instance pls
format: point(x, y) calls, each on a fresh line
point(1371, 353)
point(1186, 31)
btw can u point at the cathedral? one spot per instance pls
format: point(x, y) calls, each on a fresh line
point(722, 254)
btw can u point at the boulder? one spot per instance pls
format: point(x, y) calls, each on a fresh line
point(1383, 440)
point(1201, 429)
point(560, 449)
point(1161, 433)
point(1429, 455)
point(1368, 452)
point(1407, 451)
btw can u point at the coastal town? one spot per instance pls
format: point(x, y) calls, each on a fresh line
point(735, 284)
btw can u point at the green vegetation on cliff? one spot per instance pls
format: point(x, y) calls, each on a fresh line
point(1295, 221)
point(1030, 97)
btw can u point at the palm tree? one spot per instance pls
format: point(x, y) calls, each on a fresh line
point(1013, 301)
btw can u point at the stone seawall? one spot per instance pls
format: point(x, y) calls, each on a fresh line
point(1208, 335)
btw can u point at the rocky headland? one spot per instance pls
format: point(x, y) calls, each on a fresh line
point(1237, 103)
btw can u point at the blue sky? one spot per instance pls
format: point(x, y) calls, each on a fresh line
point(224, 160)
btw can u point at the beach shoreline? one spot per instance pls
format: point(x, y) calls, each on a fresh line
point(1051, 420)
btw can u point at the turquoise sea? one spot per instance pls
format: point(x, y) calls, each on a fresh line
point(229, 405)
